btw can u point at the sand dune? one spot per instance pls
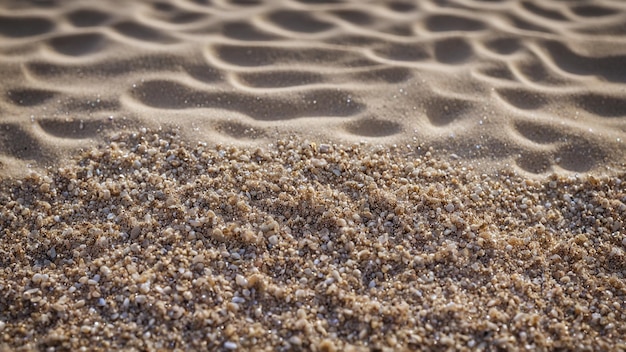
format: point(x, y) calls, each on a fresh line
point(538, 86)
point(312, 174)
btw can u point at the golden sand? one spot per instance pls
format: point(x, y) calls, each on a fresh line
point(467, 229)
point(148, 243)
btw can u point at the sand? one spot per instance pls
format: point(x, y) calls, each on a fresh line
point(535, 85)
point(149, 243)
point(312, 175)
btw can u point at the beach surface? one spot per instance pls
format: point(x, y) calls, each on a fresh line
point(312, 175)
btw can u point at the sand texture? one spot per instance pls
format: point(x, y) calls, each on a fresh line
point(320, 175)
point(538, 85)
point(151, 244)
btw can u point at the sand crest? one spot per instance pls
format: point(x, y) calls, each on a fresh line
point(312, 175)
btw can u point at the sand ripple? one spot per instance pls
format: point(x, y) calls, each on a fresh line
point(461, 76)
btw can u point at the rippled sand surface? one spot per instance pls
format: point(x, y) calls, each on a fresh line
point(537, 85)
point(312, 175)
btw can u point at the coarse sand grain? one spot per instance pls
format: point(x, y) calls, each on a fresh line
point(149, 243)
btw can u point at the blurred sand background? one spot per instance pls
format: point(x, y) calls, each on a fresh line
point(315, 175)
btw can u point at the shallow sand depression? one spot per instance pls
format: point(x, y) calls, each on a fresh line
point(312, 175)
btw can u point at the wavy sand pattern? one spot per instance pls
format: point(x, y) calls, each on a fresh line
point(538, 85)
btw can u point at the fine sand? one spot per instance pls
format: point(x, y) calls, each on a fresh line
point(312, 175)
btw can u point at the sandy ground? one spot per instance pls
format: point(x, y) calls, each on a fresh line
point(312, 175)
point(535, 85)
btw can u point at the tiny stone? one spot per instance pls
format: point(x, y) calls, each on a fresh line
point(104, 270)
point(319, 163)
point(295, 340)
point(52, 253)
point(37, 278)
point(229, 345)
point(241, 281)
point(144, 288)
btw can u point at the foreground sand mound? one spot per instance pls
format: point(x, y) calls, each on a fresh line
point(537, 85)
point(151, 244)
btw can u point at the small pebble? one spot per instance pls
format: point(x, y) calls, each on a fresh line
point(241, 281)
point(229, 345)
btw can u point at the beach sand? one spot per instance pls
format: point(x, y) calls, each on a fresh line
point(312, 175)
